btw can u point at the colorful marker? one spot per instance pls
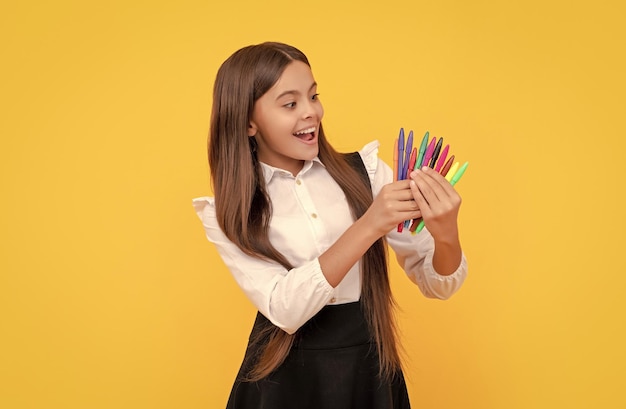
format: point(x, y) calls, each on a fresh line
point(420, 156)
point(395, 160)
point(409, 162)
point(458, 174)
point(407, 155)
point(442, 158)
point(433, 159)
point(400, 153)
point(446, 167)
point(412, 160)
point(414, 225)
point(452, 171)
point(429, 152)
point(410, 169)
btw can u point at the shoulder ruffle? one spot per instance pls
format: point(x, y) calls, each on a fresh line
point(202, 203)
point(369, 154)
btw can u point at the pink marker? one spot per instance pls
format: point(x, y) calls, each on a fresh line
point(442, 158)
point(429, 152)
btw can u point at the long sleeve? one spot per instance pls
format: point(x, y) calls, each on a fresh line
point(288, 298)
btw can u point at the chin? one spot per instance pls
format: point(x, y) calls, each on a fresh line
point(312, 154)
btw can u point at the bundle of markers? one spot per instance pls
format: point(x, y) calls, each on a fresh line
point(406, 158)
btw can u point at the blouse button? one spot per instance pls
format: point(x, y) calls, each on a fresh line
point(314, 215)
point(332, 300)
point(298, 182)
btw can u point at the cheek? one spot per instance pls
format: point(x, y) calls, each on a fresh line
point(320, 111)
point(271, 121)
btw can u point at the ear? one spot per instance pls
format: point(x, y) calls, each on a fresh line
point(252, 129)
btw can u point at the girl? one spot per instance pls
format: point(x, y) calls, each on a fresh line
point(303, 230)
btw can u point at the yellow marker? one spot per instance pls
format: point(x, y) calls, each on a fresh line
point(452, 171)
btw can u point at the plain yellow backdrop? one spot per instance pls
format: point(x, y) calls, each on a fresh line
point(111, 297)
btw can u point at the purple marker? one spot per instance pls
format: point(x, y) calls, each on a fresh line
point(407, 155)
point(400, 153)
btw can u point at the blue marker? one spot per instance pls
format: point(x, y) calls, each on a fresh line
point(407, 155)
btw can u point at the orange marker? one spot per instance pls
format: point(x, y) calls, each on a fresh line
point(395, 160)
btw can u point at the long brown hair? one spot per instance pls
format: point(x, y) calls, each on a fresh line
point(244, 209)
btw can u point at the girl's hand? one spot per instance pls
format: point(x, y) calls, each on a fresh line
point(438, 201)
point(393, 205)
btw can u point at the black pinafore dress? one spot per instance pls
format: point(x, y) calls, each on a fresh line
point(333, 364)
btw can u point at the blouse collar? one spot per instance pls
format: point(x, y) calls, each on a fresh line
point(270, 171)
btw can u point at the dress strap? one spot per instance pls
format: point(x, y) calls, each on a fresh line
point(354, 159)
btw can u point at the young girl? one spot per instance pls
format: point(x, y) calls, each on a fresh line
point(303, 229)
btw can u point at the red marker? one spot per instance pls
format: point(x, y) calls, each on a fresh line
point(414, 225)
point(447, 166)
point(412, 161)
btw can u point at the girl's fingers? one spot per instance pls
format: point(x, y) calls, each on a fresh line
point(431, 187)
point(397, 191)
point(420, 201)
point(435, 190)
point(424, 195)
point(438, 201)
point(396, 199)
point(439, 179)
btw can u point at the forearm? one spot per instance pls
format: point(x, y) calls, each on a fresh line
point(346, 251)
point(447, 255)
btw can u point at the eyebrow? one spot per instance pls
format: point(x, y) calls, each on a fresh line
point(294, 92)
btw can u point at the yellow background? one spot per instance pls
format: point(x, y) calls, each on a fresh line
point(112, 298)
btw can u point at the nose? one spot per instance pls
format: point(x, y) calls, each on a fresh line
point(312, 109)
point(308, 110)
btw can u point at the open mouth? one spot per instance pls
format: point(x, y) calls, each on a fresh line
point(306, 135)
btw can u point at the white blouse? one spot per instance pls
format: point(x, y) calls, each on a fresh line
point(310, 212)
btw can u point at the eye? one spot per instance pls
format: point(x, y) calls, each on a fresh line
point(315, 97)
point(290, 105)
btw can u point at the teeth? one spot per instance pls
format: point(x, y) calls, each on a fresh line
point(305, 131)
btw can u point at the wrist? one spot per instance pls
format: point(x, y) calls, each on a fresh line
point(367, 229)
point(450, 239)
point(447, 256)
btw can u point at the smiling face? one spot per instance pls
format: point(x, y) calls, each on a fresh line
point(286, 119)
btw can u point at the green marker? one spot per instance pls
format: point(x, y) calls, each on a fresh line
point(420, 156)
point(458, 174)
point(455, 178)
